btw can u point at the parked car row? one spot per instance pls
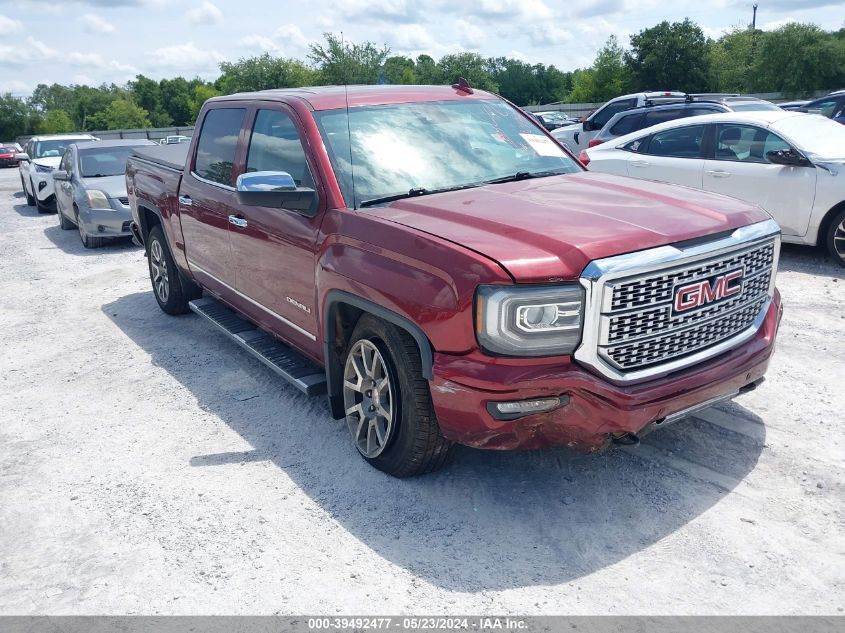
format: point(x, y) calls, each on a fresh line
point(82, 179)
point(831, 106)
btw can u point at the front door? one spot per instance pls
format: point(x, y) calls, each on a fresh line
point(64, 188)
point(273, 248)
point(738, 167)
point(207, 199)
point(674, 155)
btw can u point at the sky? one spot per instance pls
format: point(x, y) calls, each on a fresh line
point(96, 41)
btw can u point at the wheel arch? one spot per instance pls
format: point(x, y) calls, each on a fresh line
point(824, 225)
point(341, 311)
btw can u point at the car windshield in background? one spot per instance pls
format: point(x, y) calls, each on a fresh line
point(53, 148)
point(8, 150)
point(814, 134)
point(107, 161)
point(753, 106)
point(431, 146)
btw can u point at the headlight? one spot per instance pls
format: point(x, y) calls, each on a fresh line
point(43, 169)
point(529, 320)
point(97, 199)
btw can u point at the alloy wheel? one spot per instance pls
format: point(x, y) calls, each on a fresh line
point(839, 240)
point(368, 397)
point(158, 268)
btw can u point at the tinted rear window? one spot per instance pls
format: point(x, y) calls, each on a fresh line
point(661, 116)
point(217, 144)
point(626, 125)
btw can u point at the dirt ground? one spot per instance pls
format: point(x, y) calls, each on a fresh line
point(149, 466)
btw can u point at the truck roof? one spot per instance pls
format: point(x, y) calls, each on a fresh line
point(334, 97)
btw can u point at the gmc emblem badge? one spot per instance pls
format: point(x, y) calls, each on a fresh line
point(701, 293)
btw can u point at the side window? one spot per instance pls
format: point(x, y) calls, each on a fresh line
point(825, 107)
point(626, 124)
point(746, 143)
point(275, 146)
point(661, 116)
point(217, 144)
point(635, 146)
point(682, 142)
point(605, 114)
point(700, 110)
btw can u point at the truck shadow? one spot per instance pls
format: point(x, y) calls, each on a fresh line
point(488, 521)
point(27, 211)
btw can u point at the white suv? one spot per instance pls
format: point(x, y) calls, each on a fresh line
point(43, 155)
point(577, 136)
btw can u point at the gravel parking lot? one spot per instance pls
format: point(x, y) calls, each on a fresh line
point(149, 466)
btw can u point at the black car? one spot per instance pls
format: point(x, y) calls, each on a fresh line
point(832, 106)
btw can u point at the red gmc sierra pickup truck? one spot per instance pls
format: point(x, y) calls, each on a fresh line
point(433, 261)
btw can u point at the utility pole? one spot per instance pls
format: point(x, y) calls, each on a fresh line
point(754, 18)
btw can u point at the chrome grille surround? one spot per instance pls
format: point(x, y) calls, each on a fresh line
point(631, 333)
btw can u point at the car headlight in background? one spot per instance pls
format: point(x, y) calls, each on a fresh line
point(43, 169)
point(97, 199)
point(529, 320)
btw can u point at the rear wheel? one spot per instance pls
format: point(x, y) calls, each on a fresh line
point(171, 291)
point(30, 199)
point(388, 405)
point(836, 238)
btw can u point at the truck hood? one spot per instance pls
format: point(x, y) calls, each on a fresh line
point(112, 186)
point(549, 229)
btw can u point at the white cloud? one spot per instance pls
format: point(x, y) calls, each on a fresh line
point(84, 80)
point(548, 34)
point(259, 43)
point(519, 55)
point(291, 39)
point(530, 10)
point(776, 24)
point(184, 58)
point(35, 51)
point(96, 61)
point(16, 87)
point(378, 10)
point(8, 25)
point(409, 37)
point(469, 35)
point(206, 13)
point(92, 23)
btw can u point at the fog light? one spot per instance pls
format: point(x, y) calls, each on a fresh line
point(521, 408)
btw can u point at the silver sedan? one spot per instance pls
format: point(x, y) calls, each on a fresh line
point(91, 190)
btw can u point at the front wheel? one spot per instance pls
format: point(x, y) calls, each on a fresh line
point(836, 238)
point(88, 241)
point(170, 292)
point(387, 401)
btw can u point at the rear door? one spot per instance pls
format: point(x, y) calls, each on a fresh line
point(207, 198)
point(737, 167)
point(273, 248)
point(675, 155)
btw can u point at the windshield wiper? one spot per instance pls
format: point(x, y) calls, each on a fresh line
point(416, 192)
point(524, 175)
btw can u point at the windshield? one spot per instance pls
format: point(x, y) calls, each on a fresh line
point(434, 145)
point(753, 106)
point(54, 147)
point(8, 150)
point(97, 162)
point(814, 134)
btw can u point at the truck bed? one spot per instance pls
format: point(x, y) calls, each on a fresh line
point(173, 156)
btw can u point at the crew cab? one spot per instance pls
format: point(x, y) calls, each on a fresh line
point(444, 271)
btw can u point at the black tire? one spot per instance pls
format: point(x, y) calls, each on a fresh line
point(30, 200)
point(87, 240)
point(836, 238)
point(64, 223)
point(414, 444)
point(179, 291)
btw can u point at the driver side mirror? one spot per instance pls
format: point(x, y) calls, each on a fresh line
point(275, 189)
point(23, 157)
point(788, 157)
point(60, 174)
point(588, 126)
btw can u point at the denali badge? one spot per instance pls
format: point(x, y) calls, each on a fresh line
point(299, 305)
point(701, 293)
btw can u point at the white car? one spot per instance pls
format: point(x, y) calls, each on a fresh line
point(41, 155)
point(790, 164)
point(577, 136)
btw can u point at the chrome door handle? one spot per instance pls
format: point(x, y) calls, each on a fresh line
point(640, 163)
point(186, 200)
point(718, 173)
point(241, 222)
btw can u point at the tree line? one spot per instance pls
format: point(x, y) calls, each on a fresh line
point(795, 59)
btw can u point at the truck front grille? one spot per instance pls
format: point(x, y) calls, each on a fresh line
point(642, 328)
point(692, 303)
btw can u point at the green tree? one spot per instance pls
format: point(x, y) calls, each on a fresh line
point(471, 66)
point(797, 59)
point(399, 69)
point(122, 113)
point(426, 70)
point(15, 117)
point(263, 73)
point(201, 94)
point(341, 62)
point(147, 93)
point(176, 95)
point(669, 57)
point(55, 122)
point(527, 84)
point(729, 60)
